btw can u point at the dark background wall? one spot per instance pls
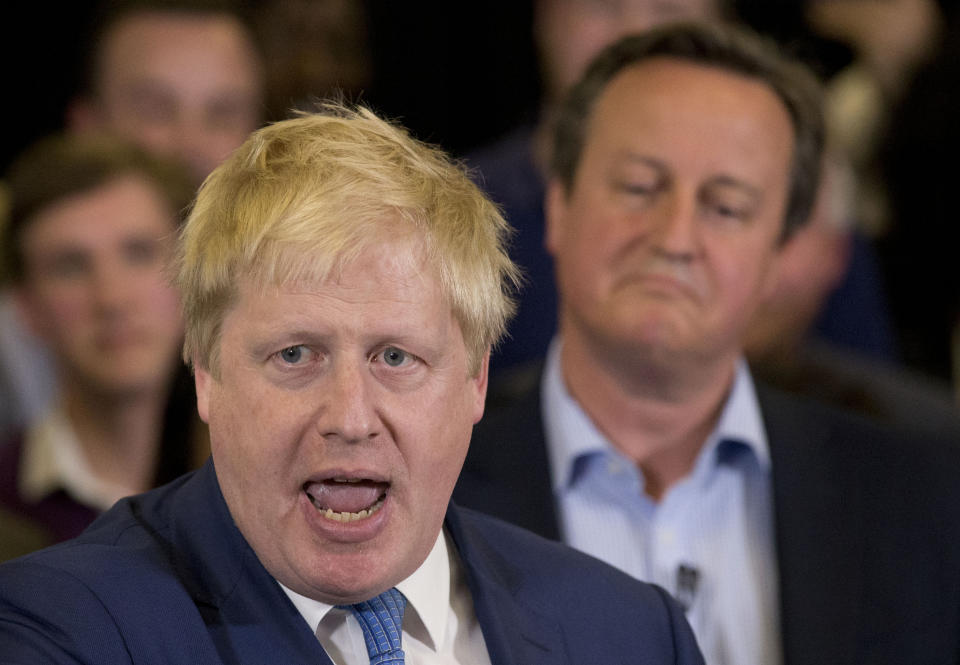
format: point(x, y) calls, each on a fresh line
point(457, 74)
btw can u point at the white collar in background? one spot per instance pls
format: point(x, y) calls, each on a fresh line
point(53, 459)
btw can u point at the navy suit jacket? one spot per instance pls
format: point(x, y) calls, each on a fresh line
point(867, 525)
point(166, 577)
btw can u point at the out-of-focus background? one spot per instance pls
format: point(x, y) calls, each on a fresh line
point(464, 75)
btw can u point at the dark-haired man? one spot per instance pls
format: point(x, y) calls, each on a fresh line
point(684, 158)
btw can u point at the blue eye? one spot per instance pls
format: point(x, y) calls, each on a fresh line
point(292, 354)
point(394, 356)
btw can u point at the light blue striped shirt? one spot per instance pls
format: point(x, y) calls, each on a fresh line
point(709, 541)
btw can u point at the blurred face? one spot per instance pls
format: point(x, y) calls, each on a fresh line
point(811, 266)
point(571, 32)
point(340, 420)
point(94, 287)
point(186, 86)
point(668, 238)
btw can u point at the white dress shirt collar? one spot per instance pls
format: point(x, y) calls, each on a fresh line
point(573, 435)
point(427, 592)
point(716, 522)
point(53, 459)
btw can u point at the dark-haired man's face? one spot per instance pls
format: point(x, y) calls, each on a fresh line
point(184, 86)
point(668, 238)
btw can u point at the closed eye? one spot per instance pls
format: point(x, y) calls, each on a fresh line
point(732, 212)
point(730, 201)
point(638, 188)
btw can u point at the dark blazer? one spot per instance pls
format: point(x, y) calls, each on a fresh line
point(166, 577)
point(867, 525)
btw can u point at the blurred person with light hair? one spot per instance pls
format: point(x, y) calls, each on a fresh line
point(780, 340)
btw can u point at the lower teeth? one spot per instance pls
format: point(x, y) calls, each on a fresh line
point(351, 517)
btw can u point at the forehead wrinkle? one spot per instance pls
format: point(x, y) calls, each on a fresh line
point(733, 117)
point(737, 183)
point(630, 156)
point(402, 273)
point(334, 293)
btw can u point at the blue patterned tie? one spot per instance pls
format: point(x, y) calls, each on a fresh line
point(381, 618)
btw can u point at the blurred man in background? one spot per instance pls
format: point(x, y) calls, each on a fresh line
point(568, 34)
point(182, 79)
point(684, 160)
point(92, 224)
point(784, 350)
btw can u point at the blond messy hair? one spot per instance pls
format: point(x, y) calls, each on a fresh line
point(304, 195)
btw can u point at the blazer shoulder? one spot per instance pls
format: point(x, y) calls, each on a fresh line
point(794, 421)
point(903, 477)
point(84, 602)
point(584, 595)
point(49, 615)
point(528, 560)
point(118, 584)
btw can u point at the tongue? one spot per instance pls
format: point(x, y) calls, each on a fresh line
point(345, 497)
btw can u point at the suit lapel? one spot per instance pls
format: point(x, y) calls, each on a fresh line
point(818, 517)
point(513, 632)
point(262, 625)
point(249, 618)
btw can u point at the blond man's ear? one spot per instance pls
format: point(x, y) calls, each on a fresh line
point(204, 384)
point(479, 384)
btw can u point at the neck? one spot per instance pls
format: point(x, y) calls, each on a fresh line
point(119, 434)
point(658, 411)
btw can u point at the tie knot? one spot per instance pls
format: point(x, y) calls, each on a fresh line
point(381, 619)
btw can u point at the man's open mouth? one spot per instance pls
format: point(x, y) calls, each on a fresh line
point(346, 499)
